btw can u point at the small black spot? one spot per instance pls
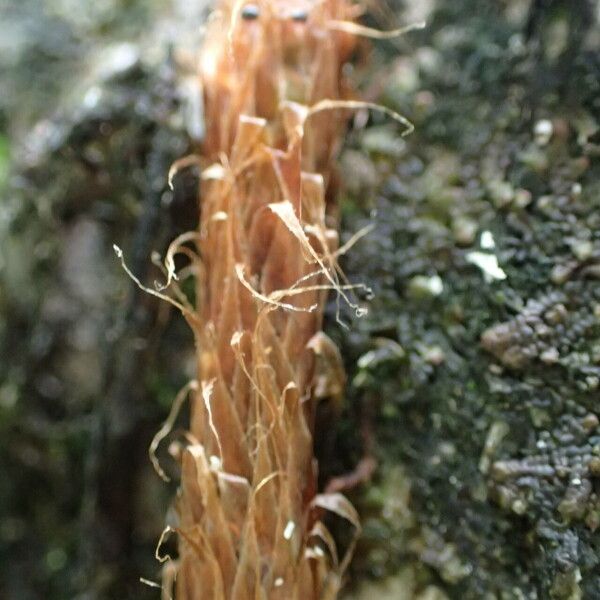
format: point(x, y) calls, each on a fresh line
point(250, 12)
point(299, 16)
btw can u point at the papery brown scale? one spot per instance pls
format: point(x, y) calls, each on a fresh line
point(248, 482)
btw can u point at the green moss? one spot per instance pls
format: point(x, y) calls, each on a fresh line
point(491, 515)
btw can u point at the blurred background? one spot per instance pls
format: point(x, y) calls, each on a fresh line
point(474, 379)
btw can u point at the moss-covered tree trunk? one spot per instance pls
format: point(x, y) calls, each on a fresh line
point(478, 368)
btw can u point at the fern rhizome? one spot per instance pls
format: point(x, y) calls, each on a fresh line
point(264, 258)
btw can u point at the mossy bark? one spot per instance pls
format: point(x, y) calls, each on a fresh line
point(484, 262)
